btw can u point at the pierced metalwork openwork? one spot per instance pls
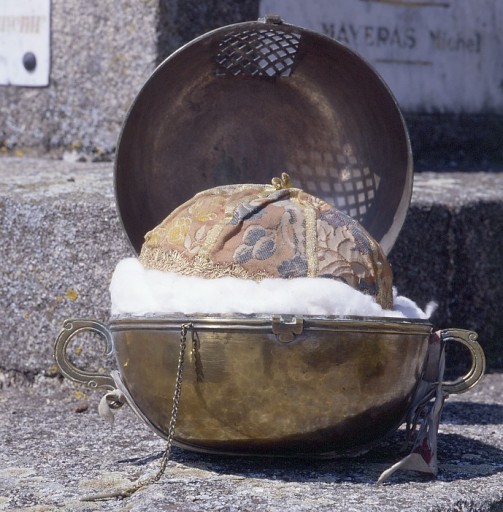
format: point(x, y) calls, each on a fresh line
point(340, 178)
point(260, 53)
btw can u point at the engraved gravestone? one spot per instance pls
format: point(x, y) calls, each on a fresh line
point(24, 42)
point(436, 56)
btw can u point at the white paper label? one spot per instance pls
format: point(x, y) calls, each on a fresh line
point(438, 55)
point(24, 42)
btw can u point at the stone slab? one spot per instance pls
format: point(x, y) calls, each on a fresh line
point(449, 250)
point(56, 450)
point(53, 267)
point(436, 56)
point(61, 239)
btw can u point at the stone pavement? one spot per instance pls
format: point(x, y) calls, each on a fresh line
point(55, 450)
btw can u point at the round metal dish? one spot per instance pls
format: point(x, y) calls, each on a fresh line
point(244, 103)
point(320, 387)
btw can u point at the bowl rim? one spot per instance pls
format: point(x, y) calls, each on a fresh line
point(263, 322)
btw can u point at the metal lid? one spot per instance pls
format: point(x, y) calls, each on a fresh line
point(244, 103)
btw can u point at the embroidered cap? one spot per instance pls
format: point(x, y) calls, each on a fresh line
point(276, 231)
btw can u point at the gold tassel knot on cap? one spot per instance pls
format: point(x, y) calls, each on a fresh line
point(283, 182)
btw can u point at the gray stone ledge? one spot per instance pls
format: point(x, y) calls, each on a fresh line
point(61, 239)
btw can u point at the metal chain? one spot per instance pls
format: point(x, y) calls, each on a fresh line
point(176, 404)
point(140, 484)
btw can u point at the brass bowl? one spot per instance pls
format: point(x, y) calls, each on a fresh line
point(239, 105)
point(309, 386)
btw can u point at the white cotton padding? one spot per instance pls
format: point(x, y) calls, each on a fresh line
point(138, 291)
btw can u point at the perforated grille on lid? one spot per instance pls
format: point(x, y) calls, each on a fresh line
point(262, 52)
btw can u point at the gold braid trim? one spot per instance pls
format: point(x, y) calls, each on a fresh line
point(383, 276)
point(172, 261)
point(228, 190)
point(310, 218)
point(311, 239)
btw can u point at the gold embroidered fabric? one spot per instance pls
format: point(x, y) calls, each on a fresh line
point(257, 231)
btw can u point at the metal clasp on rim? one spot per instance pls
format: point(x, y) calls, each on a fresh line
point(286, 330)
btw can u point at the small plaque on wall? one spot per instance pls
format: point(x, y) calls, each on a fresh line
point(25, 42)
point(435, 55)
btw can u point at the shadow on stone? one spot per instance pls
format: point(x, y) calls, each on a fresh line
point(460, 458)
point(472, 413)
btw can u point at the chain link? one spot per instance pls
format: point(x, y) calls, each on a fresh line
point(140, 484)
point(176, 403)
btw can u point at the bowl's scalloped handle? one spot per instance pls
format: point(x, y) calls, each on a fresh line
point(74, 327)
point(475, 373)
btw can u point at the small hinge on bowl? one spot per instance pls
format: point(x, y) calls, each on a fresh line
point(272, 18)
point(286, 330)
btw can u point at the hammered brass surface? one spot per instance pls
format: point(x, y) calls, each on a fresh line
point(337, 387)
point(320, 113)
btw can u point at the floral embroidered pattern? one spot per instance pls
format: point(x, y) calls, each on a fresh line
point(178, 229)
point(254, 209)
point(174, 232)
point(261, 232)
point(203, 212)
point(296, 267)
point(279, 233)
point(258, 243)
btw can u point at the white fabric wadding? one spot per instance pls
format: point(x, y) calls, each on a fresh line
point(138, 291)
